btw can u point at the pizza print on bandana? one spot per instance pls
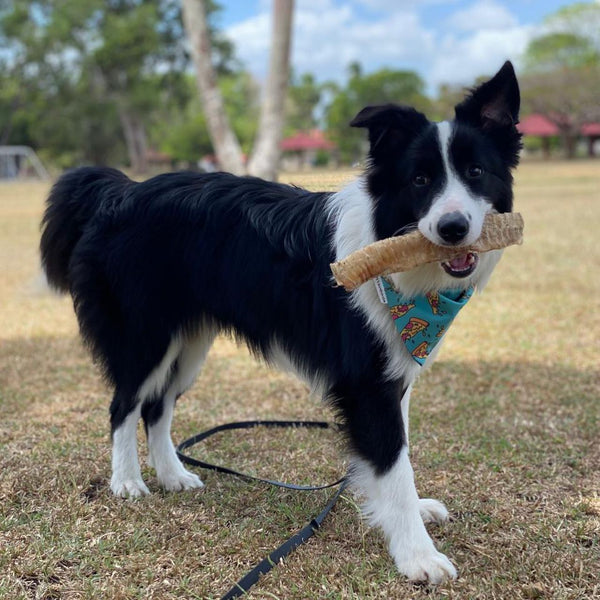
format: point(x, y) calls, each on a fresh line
point(413, 327)
point(422, 321)
point(434, 301)
point(421, 351)
point(400, 310)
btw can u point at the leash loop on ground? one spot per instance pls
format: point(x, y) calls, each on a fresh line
point(263, 567)
point(251, 425)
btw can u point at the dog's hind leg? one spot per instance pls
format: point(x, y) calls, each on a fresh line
point(171, 474)
point(125, 411)
point(158, 415)
point(126, 480)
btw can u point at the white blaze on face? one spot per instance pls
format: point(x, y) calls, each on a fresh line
point(455, 197)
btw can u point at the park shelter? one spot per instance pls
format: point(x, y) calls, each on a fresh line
point(300, 150)
point(539, 125)
point(591, 131)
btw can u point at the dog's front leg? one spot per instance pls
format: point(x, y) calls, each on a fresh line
point(392, 503)
point(384, 477)
point(432, 511)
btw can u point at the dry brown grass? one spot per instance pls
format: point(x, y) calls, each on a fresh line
point(505, 430)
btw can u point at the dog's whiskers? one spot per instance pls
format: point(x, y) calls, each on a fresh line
point(406, 229)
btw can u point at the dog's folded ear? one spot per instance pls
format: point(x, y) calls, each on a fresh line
point(494, 103)
point(389, 124)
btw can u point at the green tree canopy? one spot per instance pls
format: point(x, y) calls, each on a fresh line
point(559, 50)
point(82, 62)
point(380, 87)
point(87, 81)
point(180, 128)
point(304, 95)
point(562, 70)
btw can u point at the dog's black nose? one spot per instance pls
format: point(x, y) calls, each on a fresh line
point(453, 227)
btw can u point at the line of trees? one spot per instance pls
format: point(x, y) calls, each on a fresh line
point(562, 71)
point(103, 81)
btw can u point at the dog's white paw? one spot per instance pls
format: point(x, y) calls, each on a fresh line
point(128, 488)
point(180, 480)
point(425, 564)
point(433, 511)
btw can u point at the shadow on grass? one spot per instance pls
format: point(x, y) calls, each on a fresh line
point(52, 392)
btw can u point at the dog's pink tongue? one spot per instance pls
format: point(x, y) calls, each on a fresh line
point(460, 263)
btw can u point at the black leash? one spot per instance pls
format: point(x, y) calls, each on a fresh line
point(263, 567)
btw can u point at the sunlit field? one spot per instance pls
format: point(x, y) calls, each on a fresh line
point(505, 430)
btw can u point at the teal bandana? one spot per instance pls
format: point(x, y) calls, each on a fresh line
point(422, 321)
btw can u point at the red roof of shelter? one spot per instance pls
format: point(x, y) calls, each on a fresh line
point(537, 125)
point(592, 129)
point(540, 125)
point(307, 140)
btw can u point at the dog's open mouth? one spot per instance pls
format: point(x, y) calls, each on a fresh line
point(461, 266)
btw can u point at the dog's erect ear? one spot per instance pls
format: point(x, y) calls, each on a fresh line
point(389, 124)
point(494, 103)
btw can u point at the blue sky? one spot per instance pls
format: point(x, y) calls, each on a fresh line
point(445, 41)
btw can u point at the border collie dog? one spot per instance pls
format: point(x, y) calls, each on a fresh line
point(157, 269)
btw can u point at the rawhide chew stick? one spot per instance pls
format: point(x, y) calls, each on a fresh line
point(405, 252)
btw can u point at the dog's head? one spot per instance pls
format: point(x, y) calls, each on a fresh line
point(443, 178)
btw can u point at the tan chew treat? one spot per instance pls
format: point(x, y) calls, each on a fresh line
point(405, 252)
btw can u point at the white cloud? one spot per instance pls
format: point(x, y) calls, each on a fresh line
point(327, 37)
point(387, 5)
point(251, 40)
point(482, 15)
point(330, 34)
point(463, 59)
point(332, 43)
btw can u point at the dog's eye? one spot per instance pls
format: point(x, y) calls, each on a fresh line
point(421, 180)
point(474, 171)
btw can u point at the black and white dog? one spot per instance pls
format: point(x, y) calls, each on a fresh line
point(157, 269)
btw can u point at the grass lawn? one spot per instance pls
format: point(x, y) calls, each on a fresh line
point(505, 430)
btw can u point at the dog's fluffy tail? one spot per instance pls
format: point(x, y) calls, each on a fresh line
point(72, 202)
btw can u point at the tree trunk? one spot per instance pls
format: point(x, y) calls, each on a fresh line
point(546, 147)
point(570, 143)
point(266, 152)
point(224, 141)
point(141, 144)
point(135, 140)
point(5, 135)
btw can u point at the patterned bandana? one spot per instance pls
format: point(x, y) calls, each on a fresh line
point(422, 321)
